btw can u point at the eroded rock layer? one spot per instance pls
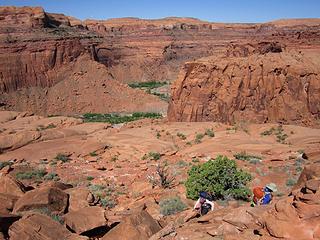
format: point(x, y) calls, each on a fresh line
point(272, 87)
point(38, 51)
point(47, 66)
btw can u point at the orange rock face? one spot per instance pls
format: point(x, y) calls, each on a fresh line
point(39, 50)
point(155, 49)
point(272, 87)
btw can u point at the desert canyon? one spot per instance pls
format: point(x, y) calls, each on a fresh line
point(102, 120)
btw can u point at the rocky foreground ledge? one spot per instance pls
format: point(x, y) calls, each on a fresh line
point(60, 211)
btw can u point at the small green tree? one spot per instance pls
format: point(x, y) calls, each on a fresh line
point(219, 176)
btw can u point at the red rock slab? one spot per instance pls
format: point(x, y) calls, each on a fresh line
point(86, 219)
point(40, 227)
point(51, 199)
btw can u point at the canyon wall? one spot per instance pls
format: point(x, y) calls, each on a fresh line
point(39, 51)
point(144, 50)
point(33, 47)
point(274, 86)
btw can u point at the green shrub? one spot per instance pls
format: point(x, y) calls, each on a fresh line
point(93, 154)
point(195, 160)
point(116, 118)
point(107, 202)
point(96, 188)
point(182, 164)
point(50, 126)
point(281, 136)
point(247, 157)
point(181, 136)
point(162, 96)
point(171, 206)
point(147, 85)
point(158, 135)
point(35, 174)
point(105, 193)
point(219, 176)
point(62, 157)
point(114, 158)
point(4, 164)
point(199, 137)
point(90, 178)
point(152, 155)
point(268, 132)
point(291, 182)
point(209, 132)
point(52, 176)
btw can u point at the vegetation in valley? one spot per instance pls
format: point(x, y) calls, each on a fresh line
point(149, 87)
point(114, 118)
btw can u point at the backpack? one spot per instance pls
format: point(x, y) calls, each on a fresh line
point(258, 194)
point(262, 196)
point(205, 195)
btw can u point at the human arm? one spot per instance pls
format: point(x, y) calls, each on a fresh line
point(197, 205)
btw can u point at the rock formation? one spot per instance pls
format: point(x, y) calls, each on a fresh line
point(155, 49)
point(87, 86)
point(38, 51)
point(268, 85)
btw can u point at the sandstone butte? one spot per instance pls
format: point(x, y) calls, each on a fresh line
point(254, 86)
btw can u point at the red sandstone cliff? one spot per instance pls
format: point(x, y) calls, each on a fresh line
point(47, 66)
point(155, 49)
point(33, 48)
point(38, 49)
point(270, 87)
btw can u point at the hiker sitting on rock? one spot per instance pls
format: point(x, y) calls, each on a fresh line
point(263, 196)
point(204, 204)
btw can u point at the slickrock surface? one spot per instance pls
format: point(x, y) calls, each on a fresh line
point(108, 170)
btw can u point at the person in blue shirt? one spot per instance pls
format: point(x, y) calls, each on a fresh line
point(263, 196)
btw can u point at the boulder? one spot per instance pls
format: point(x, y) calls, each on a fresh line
point(79, 198)
point(52, 199)
point(309, 172)
point(11, 186)
point(40, 227)
point(139, 225)
point(240, 218)
point(85, 219)
point(307, 211)
point(7, 202)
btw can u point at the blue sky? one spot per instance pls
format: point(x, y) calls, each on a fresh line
point(211, 10)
